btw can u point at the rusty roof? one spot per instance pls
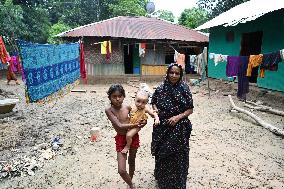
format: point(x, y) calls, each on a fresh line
point(137, 28)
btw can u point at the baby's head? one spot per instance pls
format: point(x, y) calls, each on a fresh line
point(141, 99)
point(116, 94)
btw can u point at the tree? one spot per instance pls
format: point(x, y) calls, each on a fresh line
point(216, 7)
point(12, 21)
point(37, 24)
point(56, 29)
point(128, 8)
point(166, 15)
point(193, 17)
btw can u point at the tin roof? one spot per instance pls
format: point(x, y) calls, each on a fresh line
point(244, 12)
point(137, 28)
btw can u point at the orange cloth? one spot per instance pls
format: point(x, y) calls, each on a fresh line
point(254, 61)
point(4, 55)
point(181, 60)
point(138, 115)
point(261, 73)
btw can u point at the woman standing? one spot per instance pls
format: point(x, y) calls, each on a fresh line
point(12, 68)
point(170, 140)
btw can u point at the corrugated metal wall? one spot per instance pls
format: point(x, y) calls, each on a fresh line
point(152, 56)
point(154, 69)
point(272, 26)
point(153, 63)
point(97, 64)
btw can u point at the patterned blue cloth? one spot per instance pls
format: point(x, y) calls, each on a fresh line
point(49, 68)
point(1, 65)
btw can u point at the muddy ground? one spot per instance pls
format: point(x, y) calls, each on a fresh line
point(228, 149)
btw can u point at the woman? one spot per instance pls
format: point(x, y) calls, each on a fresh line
point(13, 66)
point(170, 140)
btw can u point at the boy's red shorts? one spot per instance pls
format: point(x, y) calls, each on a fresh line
point(120, 142)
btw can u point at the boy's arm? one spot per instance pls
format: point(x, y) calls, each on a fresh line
point(116, 123)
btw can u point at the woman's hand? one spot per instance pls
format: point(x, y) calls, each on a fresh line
point(173, 120)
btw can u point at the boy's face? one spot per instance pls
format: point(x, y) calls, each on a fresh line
point(116, 99)
point(141, 101)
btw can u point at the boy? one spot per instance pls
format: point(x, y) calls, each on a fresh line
point(117, 113)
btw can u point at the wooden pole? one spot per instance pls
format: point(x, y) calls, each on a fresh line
point(268, 126)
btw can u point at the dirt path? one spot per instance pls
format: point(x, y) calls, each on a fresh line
point(228, 150)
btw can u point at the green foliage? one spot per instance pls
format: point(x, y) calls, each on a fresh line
point(193, 17)
point(56, 29)
point(31, 20)
point(128, 8)
point(166, 15)
point(11, 17)
point(216, 7)
point(37, 23)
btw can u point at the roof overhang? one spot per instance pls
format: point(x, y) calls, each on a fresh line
point(243, 13)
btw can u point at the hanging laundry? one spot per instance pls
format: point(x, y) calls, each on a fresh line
point(254, 61)
point(82, 63)
point(181, 60)
point(108, 50)
point(190, 64)
point(282, 54)
point(104, 48)
point(232, 66)
point(201, 66)
point(176, 56)
point(219, 58)
point(211, 56)
point(51, 71)
point(142, 48)
point(243, 82)
point(4, 55)
point(270, 62)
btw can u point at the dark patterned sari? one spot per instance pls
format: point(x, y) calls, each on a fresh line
point(170, 144)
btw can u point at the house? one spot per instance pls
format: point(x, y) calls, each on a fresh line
point(253, 27)
point(125, 33)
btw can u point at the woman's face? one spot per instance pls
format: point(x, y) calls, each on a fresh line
point(174, 74)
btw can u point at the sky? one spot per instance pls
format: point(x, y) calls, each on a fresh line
point(176, 6)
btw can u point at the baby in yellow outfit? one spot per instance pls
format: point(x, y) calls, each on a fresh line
point(138, 113)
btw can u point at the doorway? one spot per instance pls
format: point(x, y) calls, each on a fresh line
point(251, 45)
point(128, 59)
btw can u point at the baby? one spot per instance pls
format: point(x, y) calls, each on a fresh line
point(138, 114)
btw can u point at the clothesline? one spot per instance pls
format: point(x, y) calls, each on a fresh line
point(246, 67)
point(217, 57)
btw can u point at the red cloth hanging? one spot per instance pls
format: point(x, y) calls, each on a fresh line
point(4, 55)
point(107, 50)
point(82, 63)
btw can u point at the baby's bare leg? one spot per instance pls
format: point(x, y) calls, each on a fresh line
point(129, 136)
